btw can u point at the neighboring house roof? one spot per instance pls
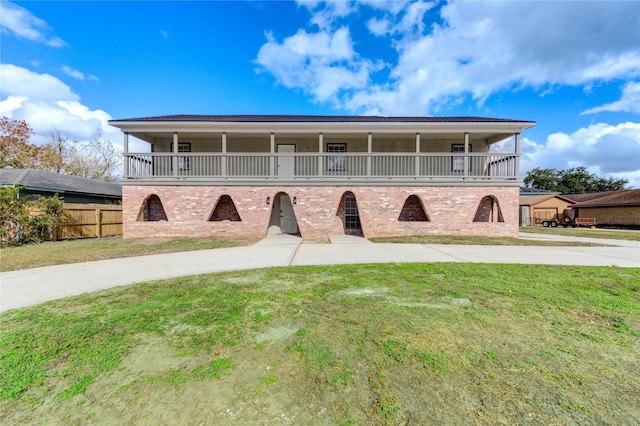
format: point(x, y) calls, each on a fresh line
point(624, 198)
point(532, 200)
point(525, 191)
point(581, 198)
point(316, 119)
point(54, 182)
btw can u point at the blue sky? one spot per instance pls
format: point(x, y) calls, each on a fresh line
point(571, 66)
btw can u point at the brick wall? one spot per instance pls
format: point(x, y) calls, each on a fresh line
point(623, 215)
point(451, 210)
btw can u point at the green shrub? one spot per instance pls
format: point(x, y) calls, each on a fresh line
point(23, 221)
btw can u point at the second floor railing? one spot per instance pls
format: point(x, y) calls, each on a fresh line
point(321, 166)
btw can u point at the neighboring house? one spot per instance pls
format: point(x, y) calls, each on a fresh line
point(320, 175)
point(525, 191)
point(537, 208)
point(616, 208)
point(70, 189)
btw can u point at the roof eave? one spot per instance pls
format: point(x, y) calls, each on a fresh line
point(318, 127)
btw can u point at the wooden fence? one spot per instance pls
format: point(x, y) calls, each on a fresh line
point(91, 221)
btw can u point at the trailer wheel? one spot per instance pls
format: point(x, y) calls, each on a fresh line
point(554, 224)
point(545, 223)
point(567, 219)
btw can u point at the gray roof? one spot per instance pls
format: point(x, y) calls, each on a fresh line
point(39, 179)
point(314, 119)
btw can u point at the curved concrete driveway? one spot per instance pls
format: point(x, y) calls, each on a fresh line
point(34, 286)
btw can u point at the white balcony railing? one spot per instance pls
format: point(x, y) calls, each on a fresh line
point(320, 167)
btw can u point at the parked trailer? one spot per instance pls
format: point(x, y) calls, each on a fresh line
point(566, 218)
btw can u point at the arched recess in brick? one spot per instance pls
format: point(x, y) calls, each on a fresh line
point(283, 216)
point(225, 210)
point(489, 210)
point(348, 214)
point(413, 210)
point(152, 210)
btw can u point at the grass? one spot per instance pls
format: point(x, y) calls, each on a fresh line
point(545, 344)
point(73, 251)
point(613, 234)
point(473, 240)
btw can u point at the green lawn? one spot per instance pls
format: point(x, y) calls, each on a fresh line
point(614, 234)
point(73, 251)
point(356, 344)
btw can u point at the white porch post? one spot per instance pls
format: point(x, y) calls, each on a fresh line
point(320, 151)
point(517, 159)
point(369, 148)
point(417, 166)
point(174, 158)
point(272, 150)
point(466, 153)
point(125, 151)
point(223, 166)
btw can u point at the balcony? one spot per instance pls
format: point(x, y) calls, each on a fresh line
point(321, 168)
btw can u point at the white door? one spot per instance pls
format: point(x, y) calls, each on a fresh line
point(286, 163)
point(288, 224)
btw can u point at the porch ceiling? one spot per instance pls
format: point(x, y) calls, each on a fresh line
point(150, 136)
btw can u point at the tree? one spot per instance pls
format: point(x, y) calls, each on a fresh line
point(576, 180)
point(96, 159)
point(15, 149)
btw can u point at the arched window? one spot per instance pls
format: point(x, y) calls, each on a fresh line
point(348, 213)
point(152, 210)
point(413, 211)
point(489, 210)
point(225, 210)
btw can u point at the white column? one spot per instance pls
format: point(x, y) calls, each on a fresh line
point(417, 166)
point(517, 159)
point(320, 151)
point(125, 151)
point(174, 158)
point(272, 150)
point(466, 152)
point(369, 149)
point(223, 165)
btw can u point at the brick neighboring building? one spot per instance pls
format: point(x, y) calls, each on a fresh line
point(320, 175)
point(616, 208)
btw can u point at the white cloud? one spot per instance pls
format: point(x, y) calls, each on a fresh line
point(49, 106)
point(20, 22)
point(630, 101)
point(323, 63)
point(10, 104)
point(20, 81)
point(72, 73)
point(164, 34)
point(329, 12)
point(472, 49)
point(607, 150)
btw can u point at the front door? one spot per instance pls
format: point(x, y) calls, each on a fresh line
point(286, 161)
point(288, 224)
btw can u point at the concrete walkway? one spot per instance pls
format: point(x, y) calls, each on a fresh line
point(34, 286)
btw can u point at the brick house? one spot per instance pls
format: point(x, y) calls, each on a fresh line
point(320, 175)
point(614, 208)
